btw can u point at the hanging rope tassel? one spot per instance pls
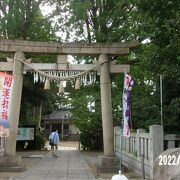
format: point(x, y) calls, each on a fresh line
point(77, 84)
point(61, 87)
point(47, 85)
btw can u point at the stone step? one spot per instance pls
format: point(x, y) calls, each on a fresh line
point(12, 169)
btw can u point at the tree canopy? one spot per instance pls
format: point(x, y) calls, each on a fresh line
point(156, 26)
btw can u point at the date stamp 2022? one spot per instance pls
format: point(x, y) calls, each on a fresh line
point(170, 160)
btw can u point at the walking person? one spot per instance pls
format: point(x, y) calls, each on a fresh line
point(53, 141)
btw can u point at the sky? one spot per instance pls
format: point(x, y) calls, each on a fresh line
point(46, 10)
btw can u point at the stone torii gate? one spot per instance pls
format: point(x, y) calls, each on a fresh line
point(20, 47)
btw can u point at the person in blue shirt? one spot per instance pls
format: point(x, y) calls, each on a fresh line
point(54, 138)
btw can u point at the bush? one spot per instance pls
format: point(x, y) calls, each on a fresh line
point(91, 141)
point(39, 141)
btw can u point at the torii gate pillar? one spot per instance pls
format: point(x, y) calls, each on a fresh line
point(10, 143)
point(106, 162)
point(106, 105)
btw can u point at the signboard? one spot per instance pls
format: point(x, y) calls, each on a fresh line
point(25, 134)
point(6, 83)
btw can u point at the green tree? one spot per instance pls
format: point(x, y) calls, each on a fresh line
point(155, 22)
point(23, 19)
point(86, 113)
point(159, 22)
point(95, 20)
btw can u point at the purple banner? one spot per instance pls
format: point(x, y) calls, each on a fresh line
point(128, 83)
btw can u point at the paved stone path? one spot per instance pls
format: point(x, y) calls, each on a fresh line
point(69, 165)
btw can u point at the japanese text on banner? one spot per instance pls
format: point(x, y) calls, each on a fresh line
point(6, 83)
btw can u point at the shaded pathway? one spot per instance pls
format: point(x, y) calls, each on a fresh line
point(69, 165)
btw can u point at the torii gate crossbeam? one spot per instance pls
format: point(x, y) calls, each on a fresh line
point(7, 45)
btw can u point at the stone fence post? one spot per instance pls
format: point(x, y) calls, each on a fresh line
point(156, 145)
point(139, 141)
point(116, 133)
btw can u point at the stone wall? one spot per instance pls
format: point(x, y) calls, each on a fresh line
point(141, 149)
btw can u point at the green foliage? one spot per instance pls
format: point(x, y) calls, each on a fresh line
point(32, 96)
point(95, 21)
point(23, 19)
point(39, 141)
point(160, 56)
point(155, 22)
point(91, 141)
point(86, 115)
